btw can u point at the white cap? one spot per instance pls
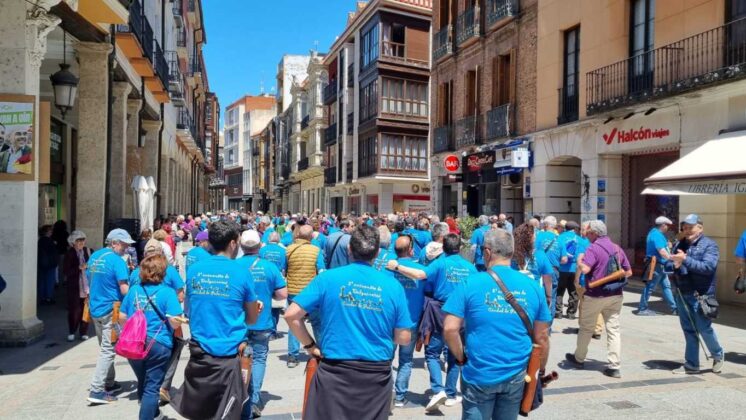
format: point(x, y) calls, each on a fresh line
point(663, 220)
point(250, 239)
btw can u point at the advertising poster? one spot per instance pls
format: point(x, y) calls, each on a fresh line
point(16, 137)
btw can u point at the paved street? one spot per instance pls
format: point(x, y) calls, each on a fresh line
point(50, 379)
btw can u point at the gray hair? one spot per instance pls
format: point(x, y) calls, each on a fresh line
point(598, 227)
point(440, 230)
point(483, 220)
point(384, 237)
point(549, 221)
point(500, 242)
point(274, 237)
point(266, 220)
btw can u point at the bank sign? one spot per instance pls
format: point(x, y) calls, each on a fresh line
point(659, 129)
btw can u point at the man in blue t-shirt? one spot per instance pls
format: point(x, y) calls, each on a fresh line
point(337, 245)
point(477, 240)
point(415, 293)
point(740, 254)
point(268, 284)
point(384, 255)
point(656, 245)
point(221, 301)
point(492, 380)
point(200, 250)
point(568, 246)
point(434, 249)
point(275, 253)
point(363, 314)
point(547, 240)
point(443, 276)
point(107, 275)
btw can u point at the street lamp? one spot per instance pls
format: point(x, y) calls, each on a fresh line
point(64, 83)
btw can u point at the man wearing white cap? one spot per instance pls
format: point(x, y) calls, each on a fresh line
point(656, 256)
point(108, 277)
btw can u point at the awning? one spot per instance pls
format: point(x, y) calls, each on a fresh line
point(717, 167)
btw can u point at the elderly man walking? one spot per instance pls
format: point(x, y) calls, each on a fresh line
point(600, 259)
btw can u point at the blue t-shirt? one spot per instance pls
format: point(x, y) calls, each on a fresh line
point(477, 238)
point(167, 302)
point(421, 239)
point(548, 242)
point(568, 243)
point(172, 279)
point(413, 289)
point(195, 254)
point(741, 247)
point(583, 244)
point(423, 260)
point(106, 270)
point(489, 318)
point(275, 254)
point(392, 245)
point(656, 241)
point(336, 256)
point(267, 279)
point(265, 235)
point(358, 309)
point(287, 238)
point(332, 229)
point(536, 267)
point(446, 273)
point(217, 289)
point(384, 256)
point(319, 241)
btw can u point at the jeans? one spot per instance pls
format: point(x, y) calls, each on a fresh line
point(103, 376)
point(293, 344)
point(497, 402)
point(173, 363)
point(259, 341)
point(432, 358)
point(150, 372)
point(404, 371)
point(555, 284)
point(662, 279)
point(704, 325)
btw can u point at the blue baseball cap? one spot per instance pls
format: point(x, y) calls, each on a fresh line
point(119, 235)
point(693, 219)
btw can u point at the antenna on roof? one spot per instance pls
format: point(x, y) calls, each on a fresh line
point(316, 45)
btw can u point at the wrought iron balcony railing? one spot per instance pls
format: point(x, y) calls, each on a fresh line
point(181, 38)
point(443, 42)
point(177, 11)
point(330, 92)
point(496, 10)
point(708, 58)
point(467, 25)
point(160, 64)
point(330, 135)
point(348, 170)
point(498, 122)
point(443, 139)
point(568, 105)
point(330, 175)
point(467, 132)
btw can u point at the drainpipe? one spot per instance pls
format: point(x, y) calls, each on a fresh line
point(163, 122)
point(109, 127)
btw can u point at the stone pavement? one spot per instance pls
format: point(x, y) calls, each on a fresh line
point(50, 379)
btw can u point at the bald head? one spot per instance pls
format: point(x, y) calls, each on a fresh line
point(305, 232)
point(403, 247)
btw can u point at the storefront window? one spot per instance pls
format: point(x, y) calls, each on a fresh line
point(371, 204)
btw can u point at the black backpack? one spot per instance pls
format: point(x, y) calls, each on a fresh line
point(612, 266)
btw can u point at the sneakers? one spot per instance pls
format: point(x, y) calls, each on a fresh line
point(400, 403)
point(646, 312)
point(570, 357)
point(256, 412)
point(159, 415)
point(685, 370)
point(450, 402)
point(571, 316)
point(436, 401)
point(84, 337)
point(596, 336)
point(717, 365)
point(612, 373)
point(292, 362)
point(164, 395)
point(114, 388)
point(71, 338)
point(102, 397)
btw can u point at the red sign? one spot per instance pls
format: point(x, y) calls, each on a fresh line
point(478, 161)
point(452, 163)
point(634, 135)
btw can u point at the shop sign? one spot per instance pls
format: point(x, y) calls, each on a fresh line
point(637, 134)
point(479, 161)
point(354, 191)
point(452, 163)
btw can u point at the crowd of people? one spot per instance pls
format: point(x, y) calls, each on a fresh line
point(370, 286)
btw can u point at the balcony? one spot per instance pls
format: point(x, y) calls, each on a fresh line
point(195, 66)
point(175, 79)
point(427, 4)
point(255, 150)
point(443, 42)
point(498, 122)
point(397, 52)
point(184, 120)
point(304, 122)
point(351, 75)
point(330, 176)
point(496, 10)
point(330, 92)
point(160, 64)
point(568, 105)
point(139, 26)
point(330, 135)
point(467, 25)
point(350, 123)
point(178, 13)
point(443, 139)
point(303, 164)
point(348, 171)
point(466, 132)
point(706, 59)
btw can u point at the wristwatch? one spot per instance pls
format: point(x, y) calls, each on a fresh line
point(461, 362)
point(311, 344)
point(397, 267)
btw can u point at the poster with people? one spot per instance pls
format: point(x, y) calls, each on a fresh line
point(16, 137)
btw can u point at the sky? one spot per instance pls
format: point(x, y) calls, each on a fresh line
point(247, 38)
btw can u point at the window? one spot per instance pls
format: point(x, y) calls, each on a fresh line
point(502, 79)
point(369, 101)
point(445, 104)
point(235, 179)
point(471, 106)
point(404, 97)
point(231, 157)
point(369, 46)
point(394, 35)
point(569, 93)
point(368, 155)
point(403, 153)
point(642, 38)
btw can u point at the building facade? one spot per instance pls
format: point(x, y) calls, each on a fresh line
point(377, 148)
point(483, 90)
point(139, 111)
point(618, 102)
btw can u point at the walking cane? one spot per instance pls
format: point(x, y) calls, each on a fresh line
point(689, 315)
